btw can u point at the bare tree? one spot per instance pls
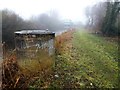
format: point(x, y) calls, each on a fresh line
point(10, 23)
point(95, 15)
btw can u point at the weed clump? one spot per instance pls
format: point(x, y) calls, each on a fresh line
point(26, 72)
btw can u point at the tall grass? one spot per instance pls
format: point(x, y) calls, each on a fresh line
point(60, 40)
point(23, 73)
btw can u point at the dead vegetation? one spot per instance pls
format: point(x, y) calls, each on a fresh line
point(37, 72)
point(24, 73)
point(9, 72)
point(61, 39)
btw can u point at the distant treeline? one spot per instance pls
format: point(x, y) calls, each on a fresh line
point(12, 22)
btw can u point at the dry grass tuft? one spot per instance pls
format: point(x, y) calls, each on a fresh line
point(22, 73)
point(10, 69)
point(61, 39)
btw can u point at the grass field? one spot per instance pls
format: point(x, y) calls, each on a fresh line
point(87, 61)
point(82, 60)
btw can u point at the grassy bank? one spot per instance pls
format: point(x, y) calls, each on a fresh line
point(87, 61)
point(98, 57)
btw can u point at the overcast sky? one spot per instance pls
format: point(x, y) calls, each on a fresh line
point(68, 9)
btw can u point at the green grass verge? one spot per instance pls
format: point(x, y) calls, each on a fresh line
point(90, 63)
point(99, 58)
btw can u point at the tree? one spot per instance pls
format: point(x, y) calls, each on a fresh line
point(95, 16)
point(103, 17)
point(10, 23)
point(117, 24)
point(112, 12)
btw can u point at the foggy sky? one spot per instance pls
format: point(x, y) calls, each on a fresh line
point(67, 9)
